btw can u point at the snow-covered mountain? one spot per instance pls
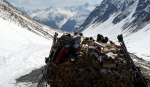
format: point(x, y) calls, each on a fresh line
point(76, 20)
point(54, 17)
point(67, 18)
point(24, 43)
point(128, 17)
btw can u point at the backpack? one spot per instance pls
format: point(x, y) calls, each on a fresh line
point(102, 39)
point(106, 39)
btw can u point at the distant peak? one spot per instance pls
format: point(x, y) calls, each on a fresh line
point(87, 4)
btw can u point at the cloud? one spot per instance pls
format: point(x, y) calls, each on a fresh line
point(41, 4)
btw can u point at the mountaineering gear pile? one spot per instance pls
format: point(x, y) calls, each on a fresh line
point(78, 61)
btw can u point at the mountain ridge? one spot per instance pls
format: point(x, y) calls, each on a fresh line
point(57, 19)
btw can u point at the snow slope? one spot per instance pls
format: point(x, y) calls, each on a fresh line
point(21, 51)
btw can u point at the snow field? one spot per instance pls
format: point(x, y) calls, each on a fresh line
point(21, 51)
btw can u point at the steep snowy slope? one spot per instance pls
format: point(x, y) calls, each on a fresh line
point(23, 44)
point(21, 51)
point(127, 17)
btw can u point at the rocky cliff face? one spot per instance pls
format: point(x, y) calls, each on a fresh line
point(135, 12)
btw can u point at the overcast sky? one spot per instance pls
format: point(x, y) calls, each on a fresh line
point(41, 4)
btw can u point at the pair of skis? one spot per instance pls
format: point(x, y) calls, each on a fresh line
point(120, 39)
